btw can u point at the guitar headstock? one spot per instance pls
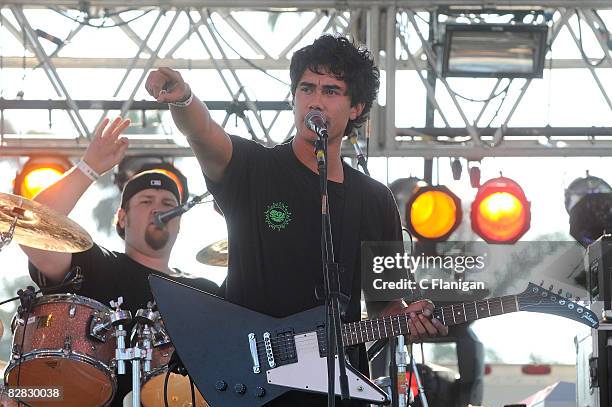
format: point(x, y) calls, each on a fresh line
point(539, 299)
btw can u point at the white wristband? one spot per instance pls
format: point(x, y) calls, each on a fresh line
point(87, 170)
point(184, 103)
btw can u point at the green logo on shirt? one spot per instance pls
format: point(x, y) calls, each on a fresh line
point(278, 216)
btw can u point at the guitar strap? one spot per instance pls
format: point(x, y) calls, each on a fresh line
point(351, 238)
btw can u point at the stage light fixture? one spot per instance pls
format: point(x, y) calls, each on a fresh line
point(494, 50)
point(403, 189)
point(433, 213)
point(38, 173)
point(581, 187)
point(501, 212)
point(588, 201)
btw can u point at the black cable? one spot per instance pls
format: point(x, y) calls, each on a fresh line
point(248, 61)
point(193, 403)
point(87, 23)
point(481, 100)
point(166, 386)
point(412, 367)
point(600, 21)
point(498, 109)
point(582, 53)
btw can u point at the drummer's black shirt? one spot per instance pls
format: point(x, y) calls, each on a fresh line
point(272, 206)
point(108, 275)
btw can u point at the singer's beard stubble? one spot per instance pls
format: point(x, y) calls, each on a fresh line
point(156, 237)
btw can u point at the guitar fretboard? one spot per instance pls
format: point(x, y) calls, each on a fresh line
point(354, 333)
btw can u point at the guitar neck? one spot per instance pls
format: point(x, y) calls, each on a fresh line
point(373, 329)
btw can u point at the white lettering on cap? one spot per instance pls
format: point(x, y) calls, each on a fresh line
point(156, 183)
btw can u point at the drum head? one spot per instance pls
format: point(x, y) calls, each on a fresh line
point(179, 392)
point(82, 384)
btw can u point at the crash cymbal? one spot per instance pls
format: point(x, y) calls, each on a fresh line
point(215, 254)
point(41, 227)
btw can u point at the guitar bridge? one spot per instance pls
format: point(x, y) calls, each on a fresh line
point(254, 353)
point(268, 345)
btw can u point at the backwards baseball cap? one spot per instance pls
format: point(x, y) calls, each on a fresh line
point(152, 179)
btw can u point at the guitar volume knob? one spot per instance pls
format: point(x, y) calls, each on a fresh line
point(260, 391)
point(240, 388)
point(220, 385)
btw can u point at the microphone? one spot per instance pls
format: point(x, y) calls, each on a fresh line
point(315, 121)
point(359, 152)
point(162, 218)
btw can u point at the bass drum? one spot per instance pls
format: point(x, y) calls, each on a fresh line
point(64, 342)
point(179, 387)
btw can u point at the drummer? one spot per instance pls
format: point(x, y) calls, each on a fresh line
point(108, 274)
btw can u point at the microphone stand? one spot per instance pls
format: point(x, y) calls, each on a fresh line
point(359, 154)
point(331, 281)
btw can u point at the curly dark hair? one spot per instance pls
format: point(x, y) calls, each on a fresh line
point(346, 62)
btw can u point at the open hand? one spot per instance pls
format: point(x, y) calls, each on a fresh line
point(106, 148)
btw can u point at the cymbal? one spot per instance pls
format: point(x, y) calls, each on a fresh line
point(41, 227)
point(215, 254)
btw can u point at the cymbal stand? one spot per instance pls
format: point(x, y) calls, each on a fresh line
point(7, 237)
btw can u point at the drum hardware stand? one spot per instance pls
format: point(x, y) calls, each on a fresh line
point(144, 319)
point(400, 387)
point(400, 361)
point(26, 297)
point(120, 317)
point(420, 386)
point(7, 237)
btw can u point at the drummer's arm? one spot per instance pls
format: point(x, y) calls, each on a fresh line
point(104, 152)
point(62, 196)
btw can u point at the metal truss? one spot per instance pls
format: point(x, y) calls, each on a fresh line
point(398, 36)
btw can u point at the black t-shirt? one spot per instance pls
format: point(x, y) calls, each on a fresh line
point(272, 207)
point(108, 275)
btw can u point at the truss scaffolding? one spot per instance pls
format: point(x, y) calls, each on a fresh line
point(404, 38)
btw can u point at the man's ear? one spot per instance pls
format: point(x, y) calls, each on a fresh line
point(356, 111)
point(121, 213)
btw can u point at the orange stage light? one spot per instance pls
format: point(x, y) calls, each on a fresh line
point(38, 173)
point(434, 212)
point(500, 211)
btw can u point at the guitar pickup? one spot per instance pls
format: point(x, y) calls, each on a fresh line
point(254, 353)
point(284, 347)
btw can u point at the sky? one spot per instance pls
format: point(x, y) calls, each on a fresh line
point(562, 98)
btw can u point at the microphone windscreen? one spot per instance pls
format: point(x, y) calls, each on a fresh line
point(315, 118)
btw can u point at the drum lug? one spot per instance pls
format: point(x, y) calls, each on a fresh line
point(67, 344)
point(72, 311)
point(100, 325)
point(16, 351)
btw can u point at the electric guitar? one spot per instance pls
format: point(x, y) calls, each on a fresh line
point(239, 357)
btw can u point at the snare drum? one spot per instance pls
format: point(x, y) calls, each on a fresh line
point(65, 342)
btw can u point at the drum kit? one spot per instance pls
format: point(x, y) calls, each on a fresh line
point(73, 348)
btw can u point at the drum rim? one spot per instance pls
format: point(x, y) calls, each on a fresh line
point(154, 372)
point(70, 298)
point(44, 353)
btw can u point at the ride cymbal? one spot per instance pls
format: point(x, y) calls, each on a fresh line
point(41, 227)
point(215, 254)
